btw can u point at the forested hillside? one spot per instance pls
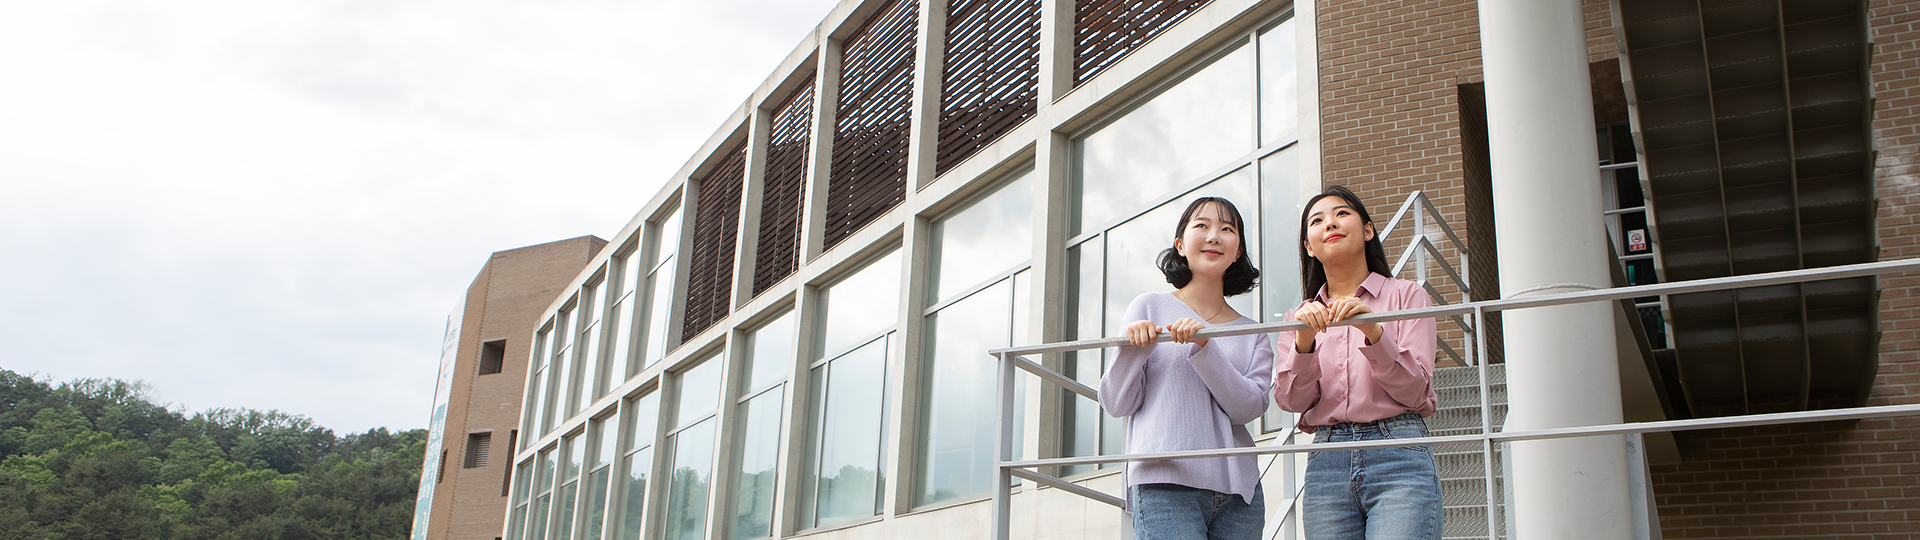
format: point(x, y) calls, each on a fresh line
point(95, 459)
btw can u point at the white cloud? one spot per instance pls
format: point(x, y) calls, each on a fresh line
point(273, 204)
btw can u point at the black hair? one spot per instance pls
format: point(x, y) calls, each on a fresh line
point(1312, 274)
point(1240, 277)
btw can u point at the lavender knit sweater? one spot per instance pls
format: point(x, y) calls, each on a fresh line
point(1180, 398)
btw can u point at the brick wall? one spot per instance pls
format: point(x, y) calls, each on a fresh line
point(504, 303)
point(1390, 74)
point(1834, 479)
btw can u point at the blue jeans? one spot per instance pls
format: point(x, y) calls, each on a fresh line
point(1381, 493)
point(1176, 512)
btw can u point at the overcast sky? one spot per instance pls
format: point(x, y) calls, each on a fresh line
point(275, 204)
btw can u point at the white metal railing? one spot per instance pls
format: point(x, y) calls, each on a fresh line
point(1013, 358)
point(1421, 251)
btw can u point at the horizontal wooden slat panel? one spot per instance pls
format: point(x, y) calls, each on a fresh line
point(781, 216)
point(869, 168)
point(1106, 30)
point(992, 74)
point(716, 228)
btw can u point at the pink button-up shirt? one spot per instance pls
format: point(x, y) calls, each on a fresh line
point(1346, 380)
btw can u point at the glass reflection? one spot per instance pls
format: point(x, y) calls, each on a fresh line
point(771, 353)
point(660, 298)
point(687, 483)
point(869, 302)
point(759, 447)
point(957, 458)
point(1279, 86)
point(1194, 126)
point(699, 392)
point(633, 517)
point(994, 233)
point(848, 475)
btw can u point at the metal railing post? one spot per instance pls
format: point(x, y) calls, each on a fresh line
point(1486, 417)
point(1003, 451)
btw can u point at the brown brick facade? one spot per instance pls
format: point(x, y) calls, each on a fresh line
point(1835, 479)
point(1391, 76)
point(1390, 80)
point(504, 303)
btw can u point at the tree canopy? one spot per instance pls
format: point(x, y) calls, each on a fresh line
point(97, 459)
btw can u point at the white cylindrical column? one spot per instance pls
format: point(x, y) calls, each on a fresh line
point(1562, 366)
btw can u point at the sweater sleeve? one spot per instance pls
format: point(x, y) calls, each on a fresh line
point(1402, 362)
point(1241, 393)
point(1123, 387)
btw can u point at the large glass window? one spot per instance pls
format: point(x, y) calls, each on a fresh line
point(666, 244)
point(692, 441)
point(1224, 131)
point(522, 482)
point(980, 260)
point(624, 278)
point(771, 356)
point(587, 354)
point(643, 417)
point(543, 502)
point(849, 387)
point(575, 452)
point(601, 450)
point(534, 410)
point(559, 372)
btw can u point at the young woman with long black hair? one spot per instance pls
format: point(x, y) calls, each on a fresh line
point(1193, 394)
point(1359, 382)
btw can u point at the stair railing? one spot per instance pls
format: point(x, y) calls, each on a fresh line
point(1422, 252)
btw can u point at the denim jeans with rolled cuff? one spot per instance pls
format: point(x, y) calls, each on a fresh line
point(1378, 493)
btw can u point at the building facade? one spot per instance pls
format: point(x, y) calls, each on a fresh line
point(789, 338)
point(464, 479)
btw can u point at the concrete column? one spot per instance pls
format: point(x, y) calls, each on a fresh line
point(1561, 361)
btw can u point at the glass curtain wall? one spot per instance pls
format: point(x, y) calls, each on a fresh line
point(622, 280)
point(543, 502)
point(980, 287)
point(535, 407)
point(770, 356)
point(563, 521)
point(558, 370)
point(643, 417)
point(1223, 131)
point(602, 447)
point(692, 442)
point(517, 521)
point(660, 288)
point(587, 356)
point(848, 384)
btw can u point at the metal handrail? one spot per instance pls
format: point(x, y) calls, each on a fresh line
point(1422, 246)
point(1012, 358)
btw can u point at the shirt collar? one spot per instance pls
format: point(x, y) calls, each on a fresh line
point(1373, 285)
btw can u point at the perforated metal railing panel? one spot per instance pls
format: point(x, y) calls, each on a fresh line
point(784, 181)
point(1104, 31)
point(992, 74)
point(716, 227)
point(869, 169)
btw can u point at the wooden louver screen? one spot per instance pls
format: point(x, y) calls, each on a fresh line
point(992, 74)
point(786, 176)
point(716, 228)
point(1104, 31)
point(869, 172)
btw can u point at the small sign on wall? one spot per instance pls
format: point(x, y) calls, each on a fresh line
point(1636, 240)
